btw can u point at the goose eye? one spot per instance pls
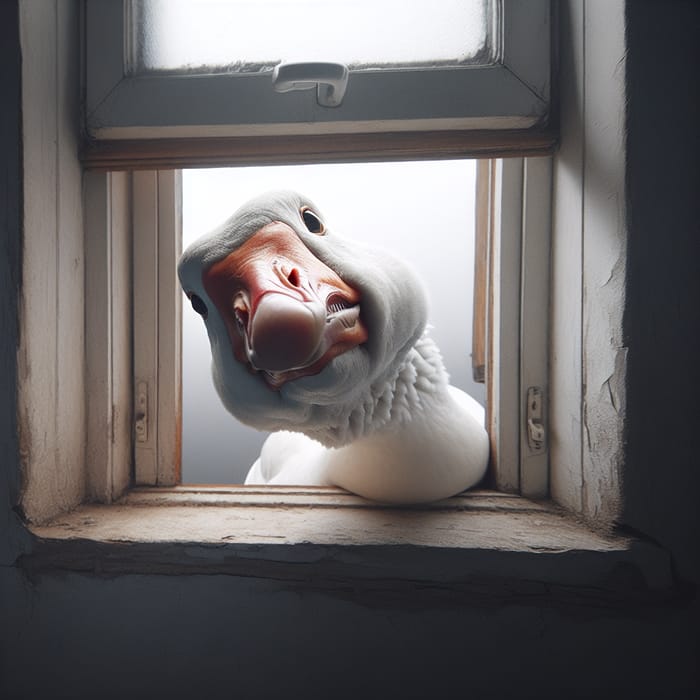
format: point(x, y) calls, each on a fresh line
point(198, 305)
point(313, 222)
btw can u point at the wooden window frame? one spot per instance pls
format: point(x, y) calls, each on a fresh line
point(516, 226)
point(171, 121)
point(100, 462)
point(156, 232)
point(515, 339)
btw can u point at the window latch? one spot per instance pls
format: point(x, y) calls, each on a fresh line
point(330, 79)
point(535, 424)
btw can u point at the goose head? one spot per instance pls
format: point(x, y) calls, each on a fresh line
point(302, 322)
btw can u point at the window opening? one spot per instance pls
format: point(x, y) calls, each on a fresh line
point(424, 211)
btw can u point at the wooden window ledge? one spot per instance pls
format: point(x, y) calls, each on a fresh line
point(481, 546)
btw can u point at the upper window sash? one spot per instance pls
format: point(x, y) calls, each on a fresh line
point(510, 93)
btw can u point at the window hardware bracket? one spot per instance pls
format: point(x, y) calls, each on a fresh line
point(534, 416)
point(330, 79)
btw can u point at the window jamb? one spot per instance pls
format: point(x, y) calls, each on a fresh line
point(156, 232)
point(518, 192)
point(503, 321)
point(108, 323)
point(534, 318)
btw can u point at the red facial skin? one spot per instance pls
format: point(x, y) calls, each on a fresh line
point(272, 262)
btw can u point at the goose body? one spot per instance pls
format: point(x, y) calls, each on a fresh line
point(323, 341)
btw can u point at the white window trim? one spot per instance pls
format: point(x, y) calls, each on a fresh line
point(132, 241)
point(518, 329)
point(108, 326)
point(512, 92)
point(157, 320)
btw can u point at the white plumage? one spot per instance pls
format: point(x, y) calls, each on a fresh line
point(323, 339)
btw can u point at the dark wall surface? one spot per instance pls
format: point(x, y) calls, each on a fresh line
point(661, 482)
point(10, 267)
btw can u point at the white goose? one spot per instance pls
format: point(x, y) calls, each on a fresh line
point(323, 340)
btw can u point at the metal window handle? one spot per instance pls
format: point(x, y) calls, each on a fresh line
point(331, 79)
point(534, 414)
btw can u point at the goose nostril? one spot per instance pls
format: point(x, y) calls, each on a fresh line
point(241, 317)
point(294, 277)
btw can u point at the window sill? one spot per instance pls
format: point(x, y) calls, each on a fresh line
point(483, 546)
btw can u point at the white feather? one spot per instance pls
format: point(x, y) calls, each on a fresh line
point(380, 420)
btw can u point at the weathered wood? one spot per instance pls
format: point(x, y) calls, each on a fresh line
point(145, 265)
point(589, 264)
point(479, 524)
point(490, 346)
point(604, 258)
point(108, 334)
point(120, 439)
point(98, 335)
point(481, 267)
point(503, 370)
point(169, 328)
point(534, 321)
point(52, 353)
point(480, 547)
point(319, 148)
point(321, 497)
point(565, 439)
point(70, 263)
point(157, 241)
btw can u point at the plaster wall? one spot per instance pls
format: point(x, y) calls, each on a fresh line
point(69, 635)
point(662, 311)
point(624, 348)
point(10, 279)
point(72, 636)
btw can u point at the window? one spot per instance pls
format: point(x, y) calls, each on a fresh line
point(497, 101)
point(68, 376)
point(517, 218)
point(145, 106)
point(114, 198)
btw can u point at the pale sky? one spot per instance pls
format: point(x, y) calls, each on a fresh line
point(422, 211)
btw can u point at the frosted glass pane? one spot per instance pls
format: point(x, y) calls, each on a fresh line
point(424, 212)
point(251, 35)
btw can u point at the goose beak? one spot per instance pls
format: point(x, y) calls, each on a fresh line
point(287, 313)
point(285, 332)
